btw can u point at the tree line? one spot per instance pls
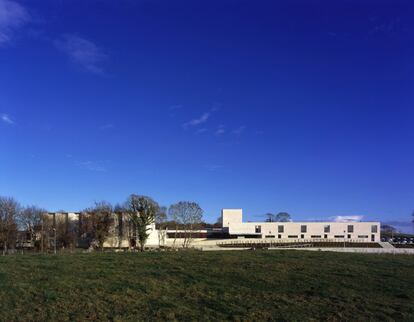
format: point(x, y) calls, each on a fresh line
point(20, 225)
point(280, 217)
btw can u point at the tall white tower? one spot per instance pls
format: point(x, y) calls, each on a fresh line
point(231, 216)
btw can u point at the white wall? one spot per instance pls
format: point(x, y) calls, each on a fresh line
point(362, 230)
point(231, 216)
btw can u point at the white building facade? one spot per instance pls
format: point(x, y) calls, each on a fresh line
point(232, 220)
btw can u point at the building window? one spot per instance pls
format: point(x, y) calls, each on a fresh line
point(350, 228)
point(339, 236)
point(349, 236)
point(293, 236)
point(374, 229)
point(281, 229)
point(325, 236)
point(303, 229)
point(372, 238)
point(362, 236)
point(270, 236)
point(258, 229)
point(279, 236)
point(317, 236)
point(327, 229)
point(302, 236)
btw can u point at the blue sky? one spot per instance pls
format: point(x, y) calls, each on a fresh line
point(264, 105)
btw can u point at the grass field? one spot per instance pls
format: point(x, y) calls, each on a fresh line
point(254, 286)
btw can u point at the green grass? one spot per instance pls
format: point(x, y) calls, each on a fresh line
point(253, 286)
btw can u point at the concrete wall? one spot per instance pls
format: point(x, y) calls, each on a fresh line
point(231, 216)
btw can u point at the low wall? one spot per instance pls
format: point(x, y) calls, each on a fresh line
point(407, 251)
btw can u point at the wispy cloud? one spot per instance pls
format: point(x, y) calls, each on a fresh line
point(82, 52)
point(202, 119)
point(239, 131)
point(385, 26)
point(6, 119)
point(12, 16)
point(91, 166)
point(220, 131)
point(347, 218)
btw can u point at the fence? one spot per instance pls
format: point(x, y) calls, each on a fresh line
point(286, 243)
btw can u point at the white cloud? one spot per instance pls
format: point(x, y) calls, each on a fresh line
point(91, 166)
point(12, 16)
point(6, 119)
point(347, 218)
point(202, 119)
point(82, 52)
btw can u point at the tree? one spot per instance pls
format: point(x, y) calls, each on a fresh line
point(30, 220)
point(142, 211)
point(64, 230)
point(161, 224)
point(189, 215)
point(413, 219)
point(270, 217)
point(282, 217)
point(9, 211)
point(218, 223)
point(97, 223)
point(121, 227)
point(388, 229)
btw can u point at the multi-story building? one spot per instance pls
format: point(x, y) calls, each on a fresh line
point(233, 224)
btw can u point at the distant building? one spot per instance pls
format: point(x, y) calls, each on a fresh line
point(234, 226)
point(69, 230)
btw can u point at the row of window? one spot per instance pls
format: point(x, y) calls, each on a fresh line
point(304, 229)
point(302, 236)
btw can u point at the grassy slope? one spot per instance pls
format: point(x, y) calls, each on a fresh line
point(287, 285)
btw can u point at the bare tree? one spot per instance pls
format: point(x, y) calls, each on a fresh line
point(30, 220)
point(142, 211)
point(122, 227)
point(63, 229)
point(218, 223)
point(97, 222)
point(270, 217)
point(173, 213)
point(282, 217)
point(160, 222)
point(9, 211)
point(189, 215)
